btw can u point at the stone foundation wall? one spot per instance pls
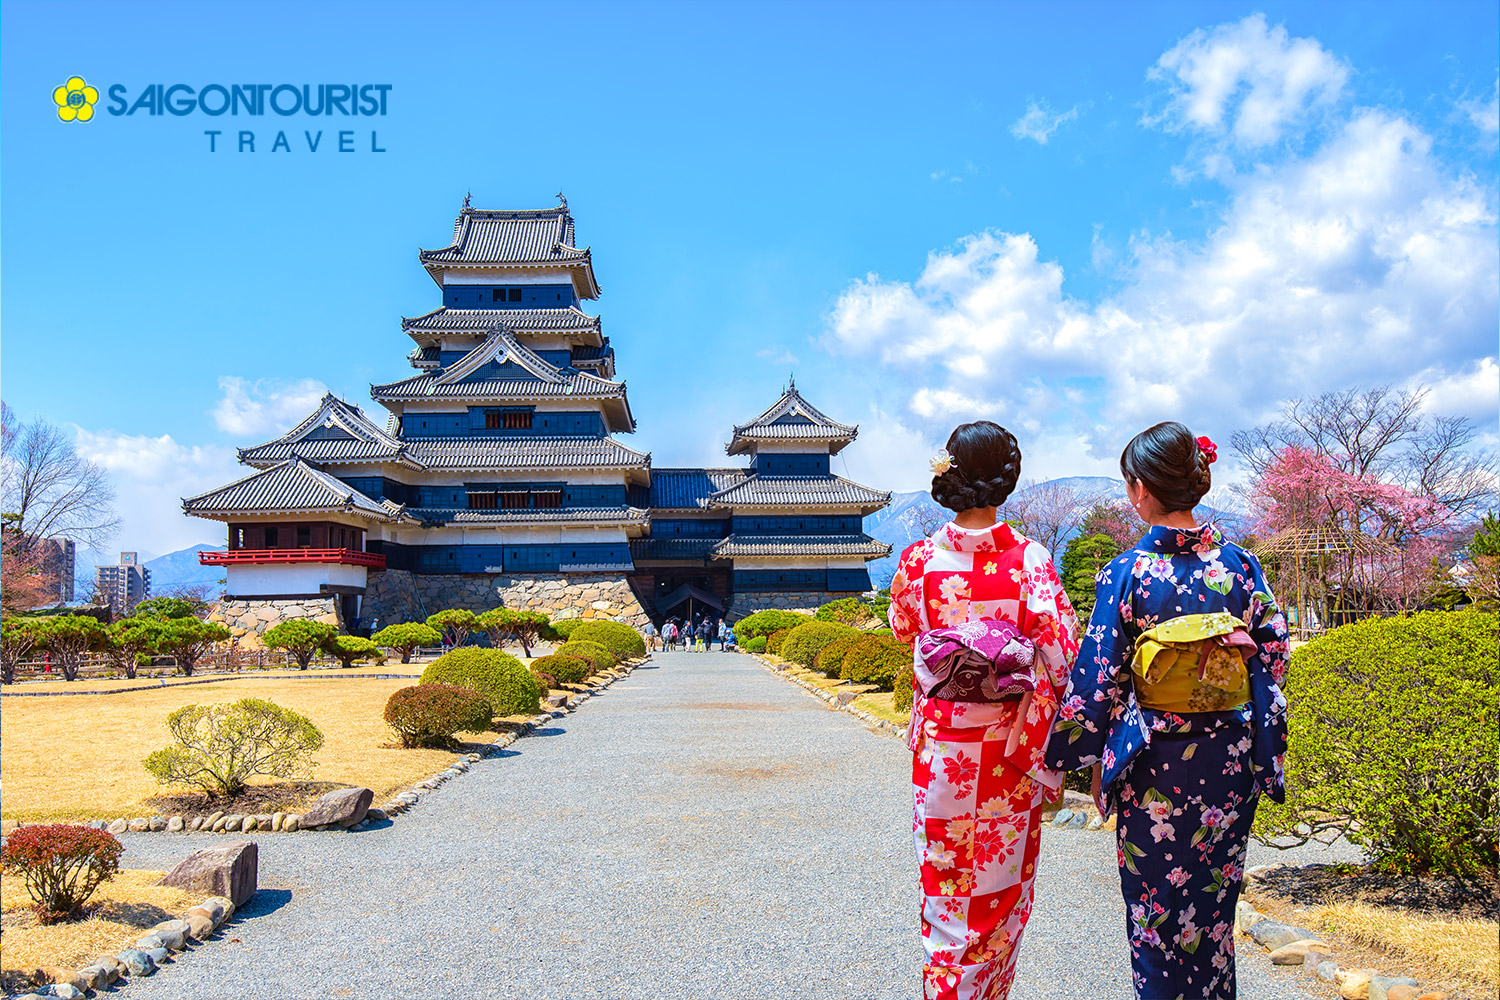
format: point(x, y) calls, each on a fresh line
point(246, 620)
point(749, 603)
point(395, 595)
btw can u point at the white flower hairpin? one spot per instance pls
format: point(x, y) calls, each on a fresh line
point(941, 462)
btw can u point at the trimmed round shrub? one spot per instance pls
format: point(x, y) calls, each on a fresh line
point(61, 865)
point(622, 640)
point(766, 622)
point(903, 687)
point(1392, 733)
point(567, 669)
point(564, 629)
point(220, 747)
point(831, 657)
point(598, 657)
point(876, 660)
point(803, 643)
point(427, 715)
point(849, 610)
point(501, 678)
point(756, 645)
point(773, 641)
point(545, 682)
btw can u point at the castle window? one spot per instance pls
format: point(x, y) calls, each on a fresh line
point(270, 536)
point(492, 420)
point(497, 295)
point(515, 295)
point(514, 501)
point(550, 500)
point(304, 537)
point(513, 420)
point(481, 501)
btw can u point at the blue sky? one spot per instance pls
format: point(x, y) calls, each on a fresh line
point(1076, 219)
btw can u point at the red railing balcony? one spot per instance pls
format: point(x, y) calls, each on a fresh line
point(246, 557)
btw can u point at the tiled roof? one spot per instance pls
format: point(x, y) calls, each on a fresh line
point(445, 320)
point(800, 545)
point(799, 491)
point(336, 431)
point(697, 549)
point(791, 418)
point(569, 515)
point(291, 486)
point(526, 453)
point(688, 489)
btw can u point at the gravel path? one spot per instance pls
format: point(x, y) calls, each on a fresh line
point(701, 829)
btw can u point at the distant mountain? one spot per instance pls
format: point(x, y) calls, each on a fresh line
point(182, 569)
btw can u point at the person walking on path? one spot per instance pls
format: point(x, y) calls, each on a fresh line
point(669, 633)
point(977, 770)
point(649, 632)
point(1175, 703)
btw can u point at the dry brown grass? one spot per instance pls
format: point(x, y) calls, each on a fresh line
point(122, 909)
point(80, 757)
point(881, 704)
point(1461, 947)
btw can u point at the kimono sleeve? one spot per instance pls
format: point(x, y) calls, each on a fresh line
point(1267, 670)
point(1095, 694)
point(905, 613)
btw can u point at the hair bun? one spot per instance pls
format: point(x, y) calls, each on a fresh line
point(986, 466)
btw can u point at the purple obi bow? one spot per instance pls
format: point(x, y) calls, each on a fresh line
point(984, 661)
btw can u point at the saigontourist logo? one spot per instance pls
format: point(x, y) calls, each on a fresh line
point(311, 102)
point(75, 100)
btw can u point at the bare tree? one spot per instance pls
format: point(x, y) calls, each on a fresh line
point(1049, 512)
point(48, 490)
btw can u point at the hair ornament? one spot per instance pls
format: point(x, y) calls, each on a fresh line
point(941, 462)
point(1209, 448)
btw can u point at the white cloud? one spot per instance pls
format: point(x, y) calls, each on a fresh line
point(151, 475)
point(267, 406)
point(1040, 121)
point(1358, 264)
point(777, 355)
point(1484, 115)
point(1248, 82)
point(1473, 391)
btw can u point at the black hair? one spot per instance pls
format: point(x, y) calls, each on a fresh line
point(1167, 459)
point(986, 465)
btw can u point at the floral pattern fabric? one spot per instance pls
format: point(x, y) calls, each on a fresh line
point(1185, 785)
point(976, 809)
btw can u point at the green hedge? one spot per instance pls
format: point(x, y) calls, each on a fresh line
point(755, 645)
point(803, 643)
point(1392, 732)
point(902, 687)
point(774, 640)
point(501, 678)
point(876, 660)
point(766, 622)
point(564, 629)
point(621, 640)
point(849, 611)
point(427, 715)
point(598, 657)
point(566, 669)
point(830, 659)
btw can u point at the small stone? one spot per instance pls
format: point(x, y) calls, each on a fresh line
point(376, 815)
point(1094, 823)
point(119, 826)
point(1435, 995)
point(195, 823)
point(291, 824)
point(151, 941)
point(139, 825)
point(1245, 914)
point(1328, 971)
point(277, 819)
point(157, 824)
point(1401, 991)
point(1079, 821)
point(137, 962)
point(1296, 953)
point(200, 925)
point(66, 991)
point(174, 825)
point(263, 821)
point(172, 939)
point(1062, 817)
point(213, 818)
point(92, 977)
point(1380, 986)
point(249, 824)
point(111, 966)
point(1356, 984)
point(159, 955)
point(8, 827)
point(218, 825)
point(232, 823)
point(1272, 934)
point(180, 926)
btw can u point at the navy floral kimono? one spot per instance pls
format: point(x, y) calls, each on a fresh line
point(1184, 784)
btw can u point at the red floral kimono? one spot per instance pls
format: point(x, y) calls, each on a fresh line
point(977, 810)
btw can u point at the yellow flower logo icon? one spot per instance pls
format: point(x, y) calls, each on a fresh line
point(75, 100)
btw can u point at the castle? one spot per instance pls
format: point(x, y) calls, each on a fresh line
point(497, 478)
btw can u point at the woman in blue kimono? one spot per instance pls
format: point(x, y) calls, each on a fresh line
point(1174, 701)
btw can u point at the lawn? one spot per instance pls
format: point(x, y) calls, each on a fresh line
point(880, 704)
point(122, 910)
point(79, 757)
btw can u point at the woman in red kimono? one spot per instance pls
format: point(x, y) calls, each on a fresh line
point(977, 808)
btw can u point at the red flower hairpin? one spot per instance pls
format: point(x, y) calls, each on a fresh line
point(1209, 448)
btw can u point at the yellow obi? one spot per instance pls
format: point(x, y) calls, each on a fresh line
point(1195, 663)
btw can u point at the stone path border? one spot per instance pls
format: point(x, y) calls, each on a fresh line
point(219, 822)
point(217, 678)
point(832, 698)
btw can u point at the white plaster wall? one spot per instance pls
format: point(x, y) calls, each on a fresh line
point(292, 578)
point(509, 276)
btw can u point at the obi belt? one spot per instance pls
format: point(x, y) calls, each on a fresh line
point(1195, 663)
point(983, 662)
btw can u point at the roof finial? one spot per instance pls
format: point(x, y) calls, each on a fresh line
point(467, 196)
point(792, 382)
point(562, 201)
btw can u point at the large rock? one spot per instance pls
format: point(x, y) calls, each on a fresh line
point(1296, 953)
point(1272, 934)
point(1356, 984)
point(342, 808)
point(231, 871)
point(138, 962)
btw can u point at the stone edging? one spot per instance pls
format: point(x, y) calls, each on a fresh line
point(217, 678)
point(1300, 948)
point(888, 728)
point(219, 822)
point(143, 958)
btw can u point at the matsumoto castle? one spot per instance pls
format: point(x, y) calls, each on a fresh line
point(495, 475)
